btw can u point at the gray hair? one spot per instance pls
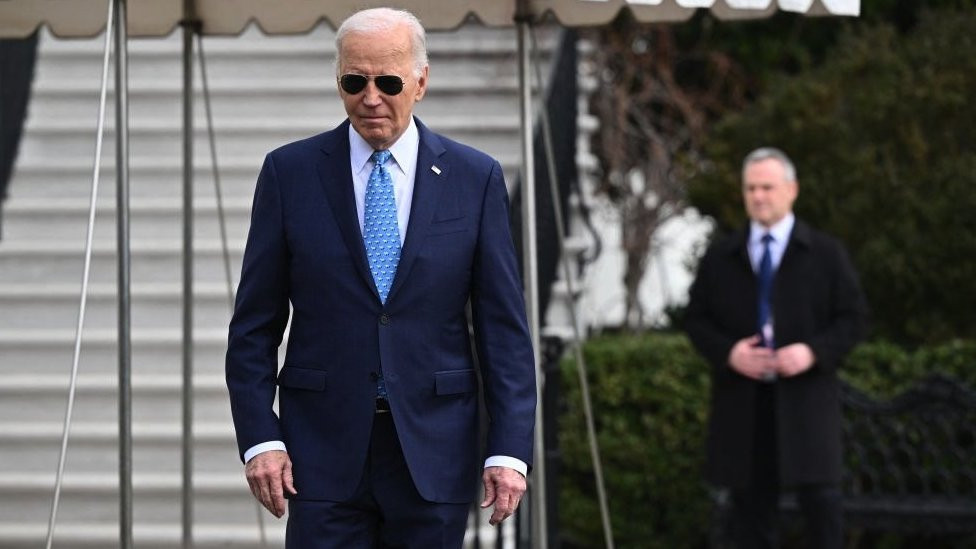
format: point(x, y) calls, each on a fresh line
point(765, 153)
point(385, 19)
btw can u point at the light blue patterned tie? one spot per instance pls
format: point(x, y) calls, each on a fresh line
point(380, 231)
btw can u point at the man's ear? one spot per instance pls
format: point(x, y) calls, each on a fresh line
point(422, 84)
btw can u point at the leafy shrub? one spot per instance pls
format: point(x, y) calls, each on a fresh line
point(649, 396)
point(650, 400)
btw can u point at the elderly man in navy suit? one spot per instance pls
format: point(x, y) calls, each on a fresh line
point(380, 240)
point(774, 309)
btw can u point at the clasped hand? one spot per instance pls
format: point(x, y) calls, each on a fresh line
point(754, 361)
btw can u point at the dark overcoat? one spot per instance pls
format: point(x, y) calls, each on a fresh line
point(816, 300)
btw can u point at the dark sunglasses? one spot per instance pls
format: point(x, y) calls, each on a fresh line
point(390, 84)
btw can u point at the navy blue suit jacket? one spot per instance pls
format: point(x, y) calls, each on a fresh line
point(305, 248)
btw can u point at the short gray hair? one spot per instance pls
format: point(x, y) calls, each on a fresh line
point(765, 153)
point(381, 19)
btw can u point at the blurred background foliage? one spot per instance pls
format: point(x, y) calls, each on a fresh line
point(882, 134)
point(878, 114)
point(650, 399)
point(876, 111)
point(649, 406)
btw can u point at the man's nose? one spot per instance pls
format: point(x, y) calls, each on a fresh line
point(371, 95)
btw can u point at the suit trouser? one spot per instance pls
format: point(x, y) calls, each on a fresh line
point(755, 510)
point(386, 510)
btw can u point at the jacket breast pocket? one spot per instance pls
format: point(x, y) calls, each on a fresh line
point(455, 382)
point(309, 379)
point(450, 226)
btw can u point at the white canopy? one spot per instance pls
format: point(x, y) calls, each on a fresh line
point(83, 18)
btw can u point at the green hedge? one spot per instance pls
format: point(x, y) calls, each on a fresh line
point(650, 399)
point(883, 369)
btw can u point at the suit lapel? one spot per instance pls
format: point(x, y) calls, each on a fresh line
point(799, 239)
point(335, 174)
point(739, 247)
point(431, 177)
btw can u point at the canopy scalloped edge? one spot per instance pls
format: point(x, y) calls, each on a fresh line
point(86, 18)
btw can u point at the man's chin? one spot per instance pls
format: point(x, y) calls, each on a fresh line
point(373, 134)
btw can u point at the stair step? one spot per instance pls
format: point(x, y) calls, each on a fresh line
point(104, 431)
point(145, 536)
point(55, 306)
point(151, 261)
point(153, 177)
point(63, 220)
point(155, 397)
point(154, 351)
point(33, 447)
point(156, 497)
point(490, 134)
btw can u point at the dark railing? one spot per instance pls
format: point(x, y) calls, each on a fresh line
point(910, 469)
point(911, 461)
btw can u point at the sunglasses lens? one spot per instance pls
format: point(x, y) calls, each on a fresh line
point(389, 84)
point(353, 83)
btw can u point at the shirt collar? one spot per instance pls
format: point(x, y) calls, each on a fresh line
point(403, 151)
point(780, 230)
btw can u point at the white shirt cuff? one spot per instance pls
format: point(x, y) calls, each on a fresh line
point(510, 462)
point(262, 448)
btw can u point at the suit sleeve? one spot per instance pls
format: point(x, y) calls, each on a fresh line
point(708, 338)
point(848, 310)
point(260, 317)
point(501, 330)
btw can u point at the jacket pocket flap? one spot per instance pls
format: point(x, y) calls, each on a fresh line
point(302, 378)
point(452, 382)
point(447, 227)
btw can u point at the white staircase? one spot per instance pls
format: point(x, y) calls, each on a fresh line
point(266, 91)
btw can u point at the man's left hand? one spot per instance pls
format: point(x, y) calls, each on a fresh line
point(503, 487)
point(794, 359)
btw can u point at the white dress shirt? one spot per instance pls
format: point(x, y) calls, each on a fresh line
point(777, 246)
point(403, 171)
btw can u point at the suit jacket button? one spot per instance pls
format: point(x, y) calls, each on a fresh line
point(384, 319)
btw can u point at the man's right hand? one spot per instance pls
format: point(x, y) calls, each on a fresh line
point(752, 360)
point(269, 475)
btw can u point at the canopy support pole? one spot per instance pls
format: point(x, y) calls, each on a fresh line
point(124, 272)
point(190, 26)
point(537, 497)
point(577, 342)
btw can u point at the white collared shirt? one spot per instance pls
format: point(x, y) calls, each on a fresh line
point(403, 171)
point(777, 246)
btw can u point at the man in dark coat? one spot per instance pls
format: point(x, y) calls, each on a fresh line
point(774, 309)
